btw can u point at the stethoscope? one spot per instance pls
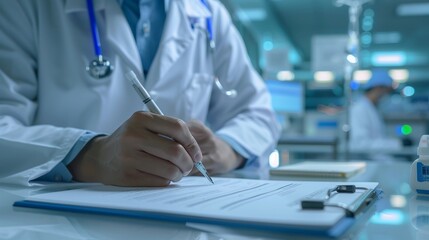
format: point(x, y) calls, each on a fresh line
point(100, 67)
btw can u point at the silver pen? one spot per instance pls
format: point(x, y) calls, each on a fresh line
point(151, 105)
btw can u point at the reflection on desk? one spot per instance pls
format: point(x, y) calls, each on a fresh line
point(337, 151)
point(399, 216)
point(419, 215)
point(302, 143)
point(405, 153)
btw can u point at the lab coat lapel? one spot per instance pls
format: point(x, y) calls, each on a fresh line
point(118, 33)
point(121, 38)
point(177, 37)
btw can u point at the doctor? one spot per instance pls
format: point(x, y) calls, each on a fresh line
point(61, 120)
point(367, 126)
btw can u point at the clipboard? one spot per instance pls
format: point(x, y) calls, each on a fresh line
point(240, 203)
point(351, 210)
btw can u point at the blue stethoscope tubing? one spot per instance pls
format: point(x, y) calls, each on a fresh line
point(101, 67)
point(94, 29)
point(209, 22)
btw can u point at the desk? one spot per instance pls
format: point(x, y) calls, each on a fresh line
point(398, 216)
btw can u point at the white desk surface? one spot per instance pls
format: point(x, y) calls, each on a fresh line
point(398, 215)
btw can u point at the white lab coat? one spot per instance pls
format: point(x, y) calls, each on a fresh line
point(368, 131)
point(48, 100)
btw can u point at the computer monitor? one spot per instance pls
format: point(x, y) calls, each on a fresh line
point(287, 97)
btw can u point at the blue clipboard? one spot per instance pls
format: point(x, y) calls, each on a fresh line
point(334, 231)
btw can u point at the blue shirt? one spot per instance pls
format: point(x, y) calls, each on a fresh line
point(146, 19)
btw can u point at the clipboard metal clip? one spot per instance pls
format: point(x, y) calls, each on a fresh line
point(350, 209)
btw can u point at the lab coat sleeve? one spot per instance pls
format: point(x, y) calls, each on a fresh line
point(247, 118)
point(27, 150)
point(60, 173)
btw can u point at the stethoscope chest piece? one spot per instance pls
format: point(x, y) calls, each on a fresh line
point(99, 68)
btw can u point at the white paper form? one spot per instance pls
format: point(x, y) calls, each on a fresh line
point(242, 200)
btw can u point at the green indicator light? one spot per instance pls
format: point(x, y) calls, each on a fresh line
point(406, 129)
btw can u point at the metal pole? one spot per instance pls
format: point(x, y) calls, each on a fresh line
point(352, 64)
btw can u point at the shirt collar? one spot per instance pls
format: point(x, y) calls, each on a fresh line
point(166, 4)
point(193, 8)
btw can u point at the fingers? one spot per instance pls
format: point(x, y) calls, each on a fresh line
point(170, 127)
point(165, 150)
point(147, 163)
point(147, 150)
point(203, 135)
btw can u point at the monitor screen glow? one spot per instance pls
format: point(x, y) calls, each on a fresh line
point(286, 97)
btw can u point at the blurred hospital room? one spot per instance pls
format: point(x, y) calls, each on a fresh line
point(214, 119)
point(348, 79)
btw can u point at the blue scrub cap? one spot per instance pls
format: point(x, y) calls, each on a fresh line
point(379, 78)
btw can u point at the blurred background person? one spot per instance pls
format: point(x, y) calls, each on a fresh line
point(368, 129)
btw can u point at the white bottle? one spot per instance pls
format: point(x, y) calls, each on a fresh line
point(420, 168)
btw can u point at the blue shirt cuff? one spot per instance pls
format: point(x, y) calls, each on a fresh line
point(60, 172)
point(249, 158)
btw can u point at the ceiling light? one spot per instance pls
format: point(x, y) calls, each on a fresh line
point(362, 76)
point(324, 76)
point(413, 9)
point(399, 75)
point(285, 76)
point(251, 14)
point(388, 59)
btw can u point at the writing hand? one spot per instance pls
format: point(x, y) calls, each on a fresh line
point(141, 152)
point(218, 156)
